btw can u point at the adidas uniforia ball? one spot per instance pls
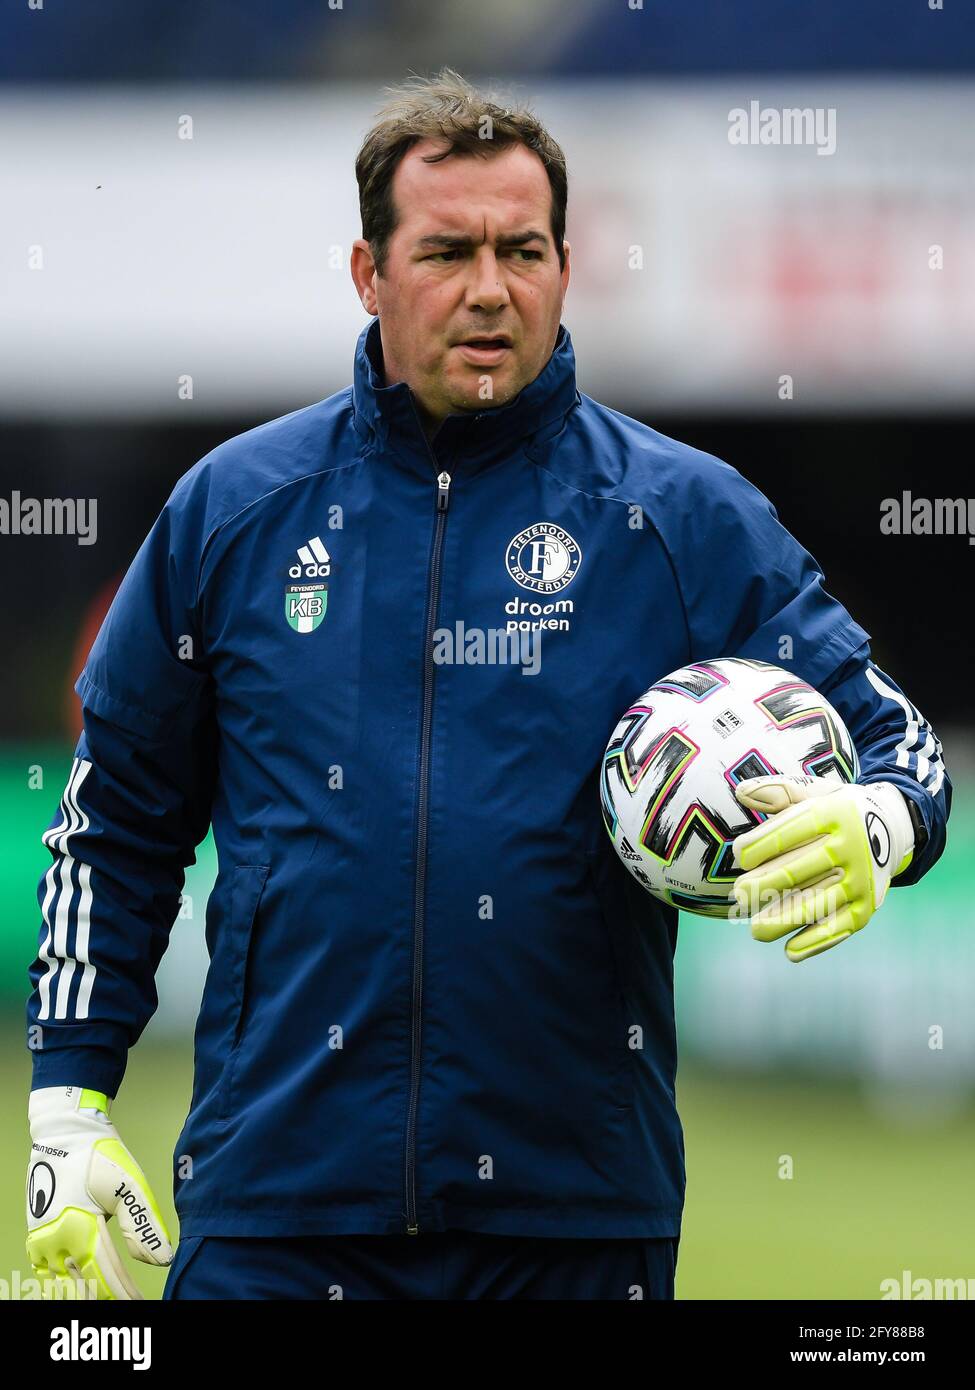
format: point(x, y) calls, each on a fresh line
point(670, 770)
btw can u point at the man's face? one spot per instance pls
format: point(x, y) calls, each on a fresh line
point(452, 276)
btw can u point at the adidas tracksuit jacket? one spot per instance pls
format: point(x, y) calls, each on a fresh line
point(425, 957)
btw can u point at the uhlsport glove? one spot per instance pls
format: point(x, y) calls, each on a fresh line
point(823, 860)
point(81, 1174)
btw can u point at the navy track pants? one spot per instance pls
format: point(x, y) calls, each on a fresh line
point(438, 1265)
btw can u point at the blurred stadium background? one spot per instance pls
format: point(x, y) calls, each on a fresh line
point(179, 201)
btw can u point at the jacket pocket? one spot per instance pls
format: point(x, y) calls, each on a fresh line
point(246, 888)
point(611, 910)
point(186, 1249)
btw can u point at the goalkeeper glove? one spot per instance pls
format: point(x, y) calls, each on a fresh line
point(80, 1174)
point(822, 861)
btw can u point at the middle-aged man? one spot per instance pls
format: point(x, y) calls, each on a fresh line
point(415, 1074)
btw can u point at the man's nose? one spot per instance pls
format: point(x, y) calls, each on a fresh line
point(486, 288)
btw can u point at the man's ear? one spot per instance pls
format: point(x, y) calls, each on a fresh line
point(363, 269)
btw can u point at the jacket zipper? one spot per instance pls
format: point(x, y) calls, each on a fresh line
point(419, 900)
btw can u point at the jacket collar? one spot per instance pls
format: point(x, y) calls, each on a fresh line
point(470, 440)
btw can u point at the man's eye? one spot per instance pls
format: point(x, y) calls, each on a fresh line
point(443, 256)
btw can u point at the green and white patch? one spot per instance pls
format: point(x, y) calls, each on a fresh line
point(305, 605)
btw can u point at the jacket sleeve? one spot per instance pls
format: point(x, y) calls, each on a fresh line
point(749, 588)
point(895, 743)
point(136, 804)
point(758, 593)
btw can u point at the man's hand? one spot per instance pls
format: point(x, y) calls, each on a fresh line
point(80, 1174)
point(823, 860)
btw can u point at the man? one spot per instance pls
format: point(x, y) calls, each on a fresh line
point(415, 1071)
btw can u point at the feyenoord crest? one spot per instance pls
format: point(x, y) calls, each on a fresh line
point(305, 604)
point(543, 557)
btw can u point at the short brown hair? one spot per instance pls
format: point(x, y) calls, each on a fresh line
point(446, 107)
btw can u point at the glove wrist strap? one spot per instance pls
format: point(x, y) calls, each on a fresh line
point(894, 808)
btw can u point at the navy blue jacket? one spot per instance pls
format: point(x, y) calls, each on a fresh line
point(435, 997)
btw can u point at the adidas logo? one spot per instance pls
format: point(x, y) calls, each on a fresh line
point(315, 561)
point(627, 850)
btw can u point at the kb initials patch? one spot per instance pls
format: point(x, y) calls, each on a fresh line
point(305, 605)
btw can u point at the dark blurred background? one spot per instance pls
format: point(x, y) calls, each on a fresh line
point(179, 203)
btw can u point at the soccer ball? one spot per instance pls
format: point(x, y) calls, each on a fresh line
point(668, 777)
